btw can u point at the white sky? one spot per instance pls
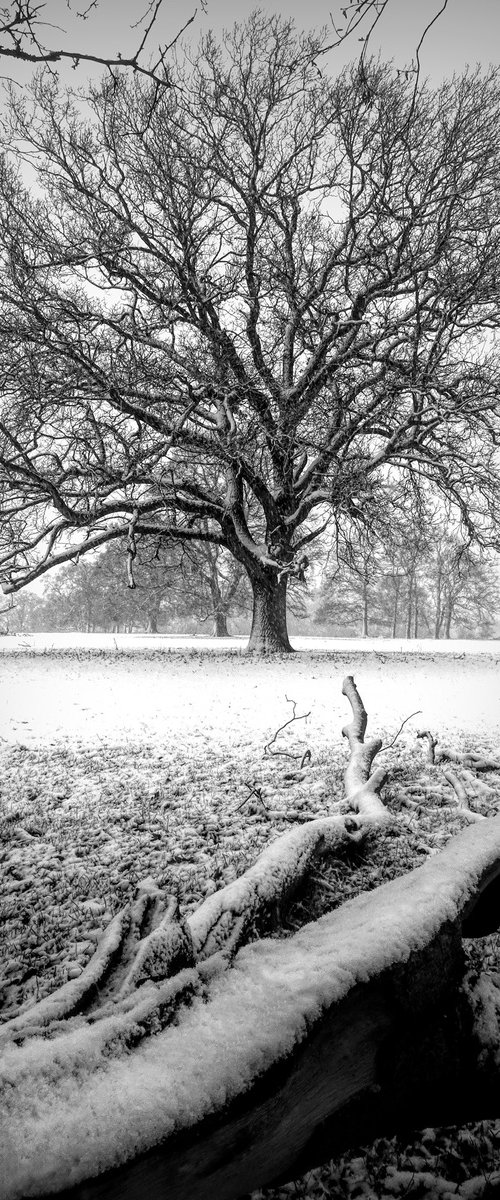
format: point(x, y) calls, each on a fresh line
point(465, 32)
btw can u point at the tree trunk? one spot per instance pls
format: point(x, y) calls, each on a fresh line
point(152, 626)
point(269, 634)
point(364, 626)
point(439, 609)
point(220, 624)
point(395, 608)
point(219, 612)
point(409, 613)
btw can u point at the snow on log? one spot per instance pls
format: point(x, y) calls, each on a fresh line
point(143, 943)
point(266, 886)
point(295, 1032)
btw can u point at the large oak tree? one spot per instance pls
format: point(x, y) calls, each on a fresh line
point(239, 306)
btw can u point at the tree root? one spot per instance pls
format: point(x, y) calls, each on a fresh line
point(254, 901)
point(478, 762)
point(461, 794)
point(438, 756)
point(148, 962)
point(145, 944)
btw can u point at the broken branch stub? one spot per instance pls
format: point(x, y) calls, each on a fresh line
point(361, 787)
point(431, 744)
point(477, 762)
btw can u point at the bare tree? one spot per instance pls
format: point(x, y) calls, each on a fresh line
point(217, 585)
point(174, 585)
point(261, 278)
point(413, 575)
point(27, 30)
point(463, 589)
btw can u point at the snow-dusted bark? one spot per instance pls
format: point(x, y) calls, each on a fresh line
point(269, 634)
point(362, 788)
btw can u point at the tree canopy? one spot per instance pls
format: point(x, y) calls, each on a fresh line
point(238, 308)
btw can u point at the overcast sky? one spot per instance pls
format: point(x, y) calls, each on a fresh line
point(467, 32)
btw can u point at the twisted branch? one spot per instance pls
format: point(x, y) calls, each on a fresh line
point(361, 787)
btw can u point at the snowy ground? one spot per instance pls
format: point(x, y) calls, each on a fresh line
point(126, 757)
point(92, 687)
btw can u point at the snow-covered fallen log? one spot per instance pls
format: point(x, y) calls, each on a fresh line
point(185, 1062)
point(353, 1019)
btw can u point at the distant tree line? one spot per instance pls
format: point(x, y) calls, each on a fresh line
point(418, 579)
point(174, 590)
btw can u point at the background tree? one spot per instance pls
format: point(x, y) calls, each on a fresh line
point(70, 600)
point(174, 588)
point(27, 33)
point(261, 278)
point(217, 585)
point(462, 588)
point(349, 579)
point(422, 580)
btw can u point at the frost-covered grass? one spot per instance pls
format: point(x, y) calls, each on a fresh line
point(144, 758)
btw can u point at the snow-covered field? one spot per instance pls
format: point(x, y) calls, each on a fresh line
point(92, 687)
point(126, 757)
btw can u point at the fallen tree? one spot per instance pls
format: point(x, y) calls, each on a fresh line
point(204, 1057)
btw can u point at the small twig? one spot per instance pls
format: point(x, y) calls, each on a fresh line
point(421, 807)
point(252, 791)
point(405, 722)
point(286, 753)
